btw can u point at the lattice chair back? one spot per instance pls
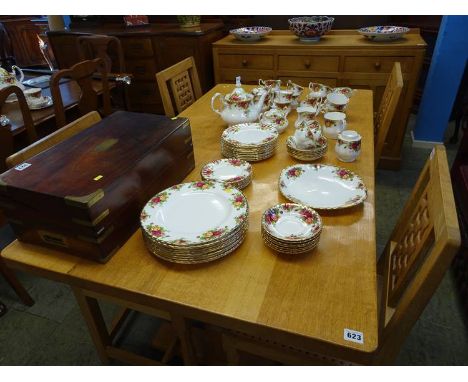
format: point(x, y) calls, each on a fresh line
point(184, 85)
point(419, 252)
point(387, 109)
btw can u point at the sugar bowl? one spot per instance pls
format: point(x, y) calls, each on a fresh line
point(348, 146)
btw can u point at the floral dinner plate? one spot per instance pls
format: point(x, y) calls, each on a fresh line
point(250, 134)
point(194, 213)
point(227, 170)
point(322, 186)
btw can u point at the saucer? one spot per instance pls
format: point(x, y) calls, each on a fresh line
point(46, 102)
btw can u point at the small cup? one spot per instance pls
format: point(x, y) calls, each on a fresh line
point(33, 93)
point(258, 93)
point(348, 92)
point(318, 90)
point(274, 84)
point(297, 91)
point(308, 135)
point(335, 123)
point(285, 107)
point(337, 102)
point(305, 113)
point(348, 146)
point(283, 96)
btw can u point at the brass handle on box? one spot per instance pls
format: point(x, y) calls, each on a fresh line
point(244, 62)
point(307, 64)
point(377, 65)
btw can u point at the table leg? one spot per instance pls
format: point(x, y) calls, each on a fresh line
point(92, 315)
point(183, 332)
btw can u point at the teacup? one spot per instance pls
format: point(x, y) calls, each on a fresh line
point(335, 123)
point(285, 107)
point(275, 118)
point(34, 96)
point(348, 146)
point(318, 90)
point(336, 102)
point(305, 113)
point(283, 96)
point(308, 135)
point(297, 91)
point(348, 92)
point(274, 84)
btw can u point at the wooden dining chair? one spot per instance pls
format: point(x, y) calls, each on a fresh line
point(419, 252)
point(387, 108)
point(50, 140)
point(82, 73)
point(184, 85)
point(109, 49)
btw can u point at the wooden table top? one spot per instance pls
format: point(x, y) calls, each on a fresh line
point(70, 95)
point(312, 297)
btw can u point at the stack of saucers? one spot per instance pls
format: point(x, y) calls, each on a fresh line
point(231, 171)
point(195, 222)
point(310, 154)
point(291, 228)
point(249, 141)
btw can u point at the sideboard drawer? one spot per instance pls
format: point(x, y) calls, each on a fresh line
point(141, 69)
point(137, 47)
point(309, 63)
point(246, 61)
point(370, 64)
point(144, 92)
point(249, 77)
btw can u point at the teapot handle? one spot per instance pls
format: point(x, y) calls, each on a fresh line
point(14, 67)
point(212, 103)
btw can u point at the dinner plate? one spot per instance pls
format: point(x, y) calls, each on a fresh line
point(194, 213)
point(322, 186)
point(292, 222)
point(250, 134)
point(230, 170)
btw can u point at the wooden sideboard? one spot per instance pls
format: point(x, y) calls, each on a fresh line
point(341, 58)
point(147, 50)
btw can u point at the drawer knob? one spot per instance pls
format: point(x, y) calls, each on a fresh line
point(307, 64)
point(244, 62)
point(377, 65)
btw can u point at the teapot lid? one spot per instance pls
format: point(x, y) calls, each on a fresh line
point(238, 94)
point(349, 135)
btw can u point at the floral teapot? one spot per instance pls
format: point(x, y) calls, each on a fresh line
point(239, 106)
point(8, 79)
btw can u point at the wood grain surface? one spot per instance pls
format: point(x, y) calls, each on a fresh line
point(302, 299)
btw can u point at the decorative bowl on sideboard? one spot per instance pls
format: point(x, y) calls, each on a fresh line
point(250, 33)
point(383, 33)
point(310, 28)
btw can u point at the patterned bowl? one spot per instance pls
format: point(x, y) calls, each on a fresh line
point(383, 33)
point(310, 28)
point(250, 33)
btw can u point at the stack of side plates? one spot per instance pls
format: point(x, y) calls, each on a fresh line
point(249, 141)
point(195, 222)
point(307, 154)
point(231, 171)
point(291, 228)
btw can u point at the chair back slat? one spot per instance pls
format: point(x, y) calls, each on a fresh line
point(418, 254)
point(184, 85)
point(387, 109)
point(82, 73)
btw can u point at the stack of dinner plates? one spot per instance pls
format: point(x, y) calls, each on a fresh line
point(249, 141)
point(195, 222)
point(231, 171)
point(291, 228)
point(310, 154)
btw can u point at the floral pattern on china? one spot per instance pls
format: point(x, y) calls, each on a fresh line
point(228, 170)
point(238, 106)
point(289, 221)
point(310, 28)
point(184, 214)
point(308, 184)
point(383, 32)
point(249, 134)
